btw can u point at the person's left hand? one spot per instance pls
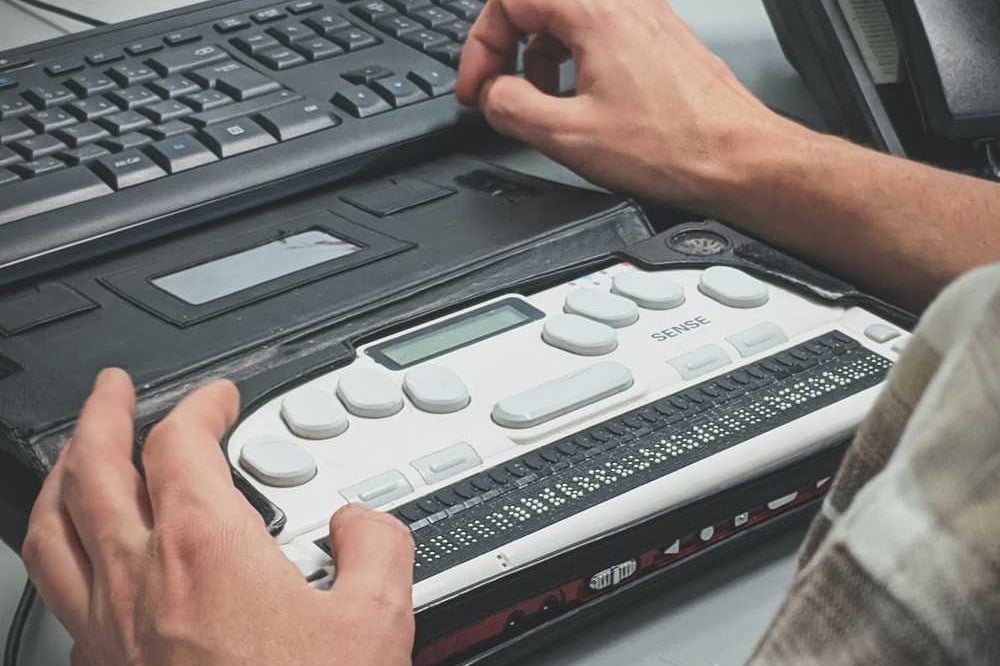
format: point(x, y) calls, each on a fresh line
point(179, 569)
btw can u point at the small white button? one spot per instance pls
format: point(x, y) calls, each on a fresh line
point(313, 413)
point(579, 335)
point(602, 306)
point(900, 345)
point(378, 490)
point(733, 288)
point(278, 462)
point(369, 393)
point(653, 291)
point(446, 462)
point(435, 389)
point(700, 361)
point(757, 339)
point(881, 333)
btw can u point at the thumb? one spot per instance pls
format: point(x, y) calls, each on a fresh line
point(515, 107)
point(373, 553)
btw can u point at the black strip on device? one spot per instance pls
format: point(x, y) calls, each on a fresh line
point(476, 515)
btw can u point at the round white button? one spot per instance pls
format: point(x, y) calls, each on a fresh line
point(601, 306)
point(277, 462)
point(733, 287)
point(435, 389)
point(579, 335)
point(653, 291)
point(312, 413)
point(369, 393)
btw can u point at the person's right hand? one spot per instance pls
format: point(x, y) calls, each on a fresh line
point(655, 112)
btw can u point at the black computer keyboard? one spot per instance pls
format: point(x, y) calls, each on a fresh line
point(136, 130)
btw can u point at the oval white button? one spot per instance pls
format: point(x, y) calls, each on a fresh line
point(435, 389)
point(277, 462)
point(369, 393)
point(653, 291)
point(313, 413)
point(579, 335)
point(601, 306)
point(733, 287)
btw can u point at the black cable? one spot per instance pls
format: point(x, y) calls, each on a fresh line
point(17, 624)
point(60, 11)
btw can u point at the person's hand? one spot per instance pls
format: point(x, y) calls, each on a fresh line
point(655, 112)
point(179, 569)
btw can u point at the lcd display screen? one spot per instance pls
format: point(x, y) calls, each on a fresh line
point(219, 278)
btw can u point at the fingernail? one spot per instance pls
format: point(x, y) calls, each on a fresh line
point(105, 374)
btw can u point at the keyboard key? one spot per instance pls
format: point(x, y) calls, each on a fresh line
point(254, 44)
point(10, 62)
point(407, 6)
point(268, 15)
point(206, 99)
point(457, 30)
point(83, 154)
point(134, 97)
point(12, 106)
point(398, 25)
point(180, 154)
point(434, 81)
point(63, 67)
point(127, 169)
point(353, 39)
point(81, 134)
point(12, 130)
point(34, 147)
point(181, 37)
point(373, 10)
point(86, 85)
point(327, 24)
point(126, 142)
point(424, 39)
point(398, 91)
point(294, 120)
point(51, 95)
point(92, 108)
point(366, 75)
point(360, 102)
point(248, 108)
point(7, 177)
point(162, 112)
point(167, 130)
point(432, 17)
point(191, 57)
point(289, 33)
point(104, 57)
point(130, 74)
point(318, 48)
point(467, 9)
point(124, 122)
point(231, 25)
point(37, 167)
point(46, 121)
point(235, 80)
point(303, 7)
point(174, 86)
point(280, 58)
point(143, 47)
point(8, 156)
point(238, 136)
point(449, 53)
point(63, 188)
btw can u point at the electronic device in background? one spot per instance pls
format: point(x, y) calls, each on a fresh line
point(914, 77)
point(132, 131)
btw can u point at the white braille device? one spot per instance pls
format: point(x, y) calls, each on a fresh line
point(523, 426)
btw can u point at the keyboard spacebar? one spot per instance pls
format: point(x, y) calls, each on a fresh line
point(45, 193)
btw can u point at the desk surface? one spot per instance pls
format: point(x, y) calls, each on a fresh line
point(713, 620)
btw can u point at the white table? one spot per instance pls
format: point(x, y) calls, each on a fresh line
point(713, 620)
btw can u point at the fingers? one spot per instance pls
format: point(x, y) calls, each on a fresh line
point(102, 490)
point(373, 553)
point(516, 108)
point(185, 466)
point(543, 57)
point(54, 557)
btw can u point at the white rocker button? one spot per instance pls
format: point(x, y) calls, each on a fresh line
point(562, 396)
point(881, 333)
point(757, 339)
point(653, 291)
point(733, 288)
point(700, 362)
point(579, 335)
point(369, 393)
point(378, 490)
point(447, 462)
point(278, 462)
point(312, 413)
point(435, 389)
point(601, 306)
